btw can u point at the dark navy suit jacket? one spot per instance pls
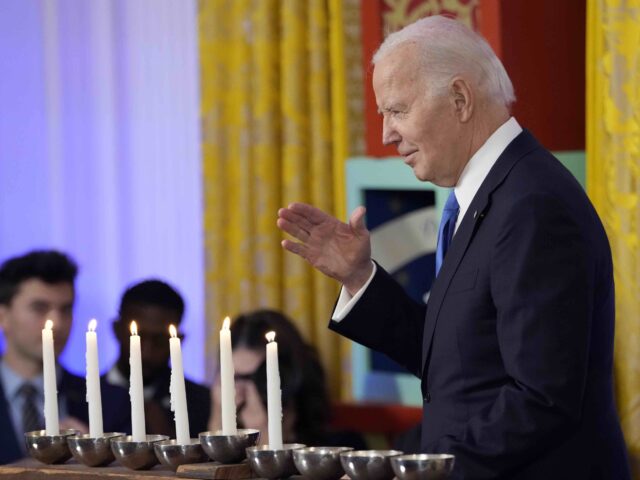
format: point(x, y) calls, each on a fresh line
point(515, 346)
point(198, 401)
point(116, 412)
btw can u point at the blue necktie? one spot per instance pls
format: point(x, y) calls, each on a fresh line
point(447, 227)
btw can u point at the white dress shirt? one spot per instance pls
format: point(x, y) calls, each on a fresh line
point(115, 377)
point(472, 176)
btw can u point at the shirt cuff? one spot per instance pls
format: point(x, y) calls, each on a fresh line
point(346, 301)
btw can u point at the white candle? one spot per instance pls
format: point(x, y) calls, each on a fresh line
point(227, 382)
point(136, 389)
point(94, 398)
point(50, 386)
point(177, 390)
point(274, 394)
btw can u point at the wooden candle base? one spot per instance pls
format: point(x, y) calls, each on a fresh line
point(29, 469)
point(216, 471)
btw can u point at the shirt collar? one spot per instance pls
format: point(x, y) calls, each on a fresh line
point(115, 377)
point(11, 381)
point(481, 162)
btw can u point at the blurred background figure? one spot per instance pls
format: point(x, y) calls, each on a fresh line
point(155, 305)
point(33, 288)
point(305, 399)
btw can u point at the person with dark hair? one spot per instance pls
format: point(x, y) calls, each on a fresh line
point(305, 398)
point(155, 305)
point(33, 288)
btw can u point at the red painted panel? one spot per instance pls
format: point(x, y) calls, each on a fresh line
point(543, 46)
point(371, 14)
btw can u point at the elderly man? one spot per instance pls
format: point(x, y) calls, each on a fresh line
point(515, 346)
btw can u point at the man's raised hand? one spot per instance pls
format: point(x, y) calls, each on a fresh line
point(339, 250)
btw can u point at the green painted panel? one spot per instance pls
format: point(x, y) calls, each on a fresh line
point(575, 162)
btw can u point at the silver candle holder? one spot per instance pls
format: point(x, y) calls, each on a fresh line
point(368, 464)
point(173, 454)
point(423, 466)
point(134, 454)
point(49, 449)
point(272, 464)
point(320, 463)
point(228, 449)
point(93, 451)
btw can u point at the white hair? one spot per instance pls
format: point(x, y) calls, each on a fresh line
point(449, 48)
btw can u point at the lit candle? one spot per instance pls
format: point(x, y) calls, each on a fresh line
point(94, 398)
point(274, 394)
point(227, 385)
point(136, 389)
point(177, 390)
point(50, 386)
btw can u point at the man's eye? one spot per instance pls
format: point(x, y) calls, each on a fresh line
point(40, 308)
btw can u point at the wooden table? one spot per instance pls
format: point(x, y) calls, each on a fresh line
point(29, 469)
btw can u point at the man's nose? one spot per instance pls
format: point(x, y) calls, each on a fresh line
point(389, 134)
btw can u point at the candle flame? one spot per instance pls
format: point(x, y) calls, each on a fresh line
point(226, 323)
point(270, 336)
point(48, 325)
point(172, 331)
point(93, 324)
point(134, 327)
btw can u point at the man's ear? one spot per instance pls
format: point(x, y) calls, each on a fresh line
point(462, 98)
point(116, 325)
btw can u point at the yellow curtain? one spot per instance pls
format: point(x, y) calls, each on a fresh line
point(276, 129)
point(613, 182)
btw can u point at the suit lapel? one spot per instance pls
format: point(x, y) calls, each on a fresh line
point(72, 391)
point(480, 205)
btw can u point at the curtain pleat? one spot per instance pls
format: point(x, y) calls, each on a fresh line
point(613, 182)
point(274, 131)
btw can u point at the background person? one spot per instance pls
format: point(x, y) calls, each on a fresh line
point(33, 288)
point(155, 305)
point(305, 399)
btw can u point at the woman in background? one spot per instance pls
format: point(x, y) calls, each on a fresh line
point(305, 399)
